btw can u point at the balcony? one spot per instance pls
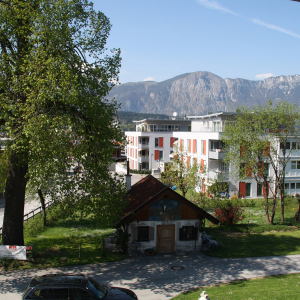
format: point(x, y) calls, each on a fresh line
point(224, 176)
point(216, 153)
point(143, 145)
point(144, 158)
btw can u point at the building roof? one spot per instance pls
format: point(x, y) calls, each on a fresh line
point(212, 115)
point(149, 188)
point(162, 120)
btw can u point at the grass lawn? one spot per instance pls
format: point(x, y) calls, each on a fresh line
point(281, 287)
point(58, 243)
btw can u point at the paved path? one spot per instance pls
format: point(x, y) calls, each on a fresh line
point(152, 277)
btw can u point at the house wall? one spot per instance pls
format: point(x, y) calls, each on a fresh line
point(180, 246)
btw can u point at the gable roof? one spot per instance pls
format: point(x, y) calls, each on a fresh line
point(149, 188)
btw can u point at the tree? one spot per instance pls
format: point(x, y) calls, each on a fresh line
point(260, 137)
point(182, 173)
point(53, 107)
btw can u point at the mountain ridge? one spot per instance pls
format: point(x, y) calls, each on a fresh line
point(202, 92)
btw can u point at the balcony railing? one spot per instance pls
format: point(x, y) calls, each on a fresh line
point(216, 153)
point(144, 158)
point(143, 145)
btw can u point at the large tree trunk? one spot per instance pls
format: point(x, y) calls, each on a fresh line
point(14, 202)
point(42, 200)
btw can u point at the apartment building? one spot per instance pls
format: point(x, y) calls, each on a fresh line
point(152, 144)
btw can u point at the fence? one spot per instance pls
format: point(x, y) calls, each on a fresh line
point(32, 213)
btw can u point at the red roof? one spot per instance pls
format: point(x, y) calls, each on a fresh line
point(143, 191)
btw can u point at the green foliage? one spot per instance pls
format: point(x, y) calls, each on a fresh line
point(53, 104)
point(140, 171)
point(121, 239)
point(182, 173)
point(4, 159)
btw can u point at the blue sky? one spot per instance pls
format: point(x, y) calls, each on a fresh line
point(161, 39)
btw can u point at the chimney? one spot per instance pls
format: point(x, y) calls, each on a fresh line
point(128, 177)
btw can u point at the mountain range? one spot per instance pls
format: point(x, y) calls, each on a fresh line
point(200, 93)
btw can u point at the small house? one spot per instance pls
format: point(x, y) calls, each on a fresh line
point(159, 218)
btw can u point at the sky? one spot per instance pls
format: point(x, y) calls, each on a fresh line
point(161, 39)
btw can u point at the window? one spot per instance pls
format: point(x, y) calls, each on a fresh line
point(81, 294)
point(295, 165)
point(189, 145)
point(189, 128)
point(171, 157)
point(60, 294)
point(188, 233)
point(293, 185)
point(286, 186)
point(266, 169)
point(297, 185)
point(259, 189)
point(248, 189)
point(152, 127)
point(294, 145)
point(40, 294)
point(286, 145)
point(143, 234)
point(161, 155)
point(156, 142)
point(217, 126)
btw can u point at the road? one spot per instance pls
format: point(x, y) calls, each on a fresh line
point(153, 278)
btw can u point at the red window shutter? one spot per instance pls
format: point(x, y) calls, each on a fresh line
point(248, 171)
point(156, 156)
point(194, 146)
point(203, 185)
point(172, 140)
point(195, 161)
point(180, 144)
point(161, 142)
point(204, 146)
point(188, 161)
point(242, 189)
point(135, 153)
point(202, 165)
point(267, 149)
point(243, 151)
point(261, 169)
point(190, 145)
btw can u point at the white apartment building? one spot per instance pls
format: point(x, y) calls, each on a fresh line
point(150, 146)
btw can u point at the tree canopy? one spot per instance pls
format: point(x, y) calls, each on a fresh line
point(55, 73)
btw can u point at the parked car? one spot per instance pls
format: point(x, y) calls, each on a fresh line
point(73, 287)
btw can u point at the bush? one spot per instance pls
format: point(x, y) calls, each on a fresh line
point(121, 239)
point(228, 212)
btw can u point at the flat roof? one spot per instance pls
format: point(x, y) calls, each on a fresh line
point(212, 115)
point(164, 120)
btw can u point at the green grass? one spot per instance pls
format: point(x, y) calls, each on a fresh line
point(281, 287)
point(58, 243)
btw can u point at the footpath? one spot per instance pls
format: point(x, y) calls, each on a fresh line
point(161, 277)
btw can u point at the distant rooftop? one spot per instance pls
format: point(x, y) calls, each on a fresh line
point(164, 120)
point(212, 115)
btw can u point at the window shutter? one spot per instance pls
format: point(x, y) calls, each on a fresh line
point(203, 185)
point(161, 142)
point(180, 234)
point(204, 147)
point(202, 165)
point(190, 145)
point(151, 233)
point(242, 189)
point(243, 151)
point(135, 234)
point(248, 171)
point(194, 146)
point(156, 157)
point(195, 233)
point(172, 140)
point(267, 149)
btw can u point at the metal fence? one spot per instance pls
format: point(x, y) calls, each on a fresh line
point(33, 213)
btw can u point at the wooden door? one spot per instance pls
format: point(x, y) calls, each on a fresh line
point(165, 238)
